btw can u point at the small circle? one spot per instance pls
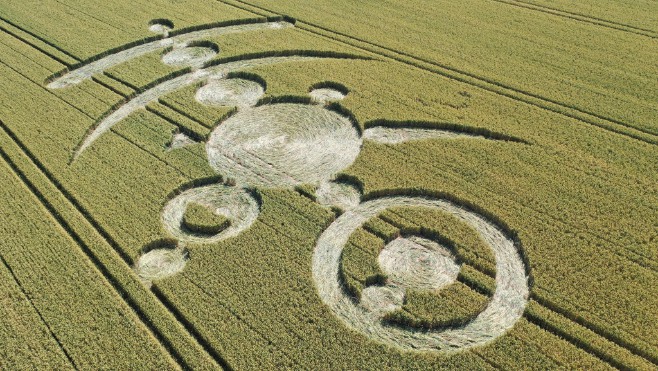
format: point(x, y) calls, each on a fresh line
point(189, 56)
point(283, 145)
point(380, 300)
point(161, 263)
point(418, 263)
point(326, 95)
point(161, 26)
point(230, 93)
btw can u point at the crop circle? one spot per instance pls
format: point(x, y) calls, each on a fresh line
point(189, 56)
point(503, 311)
point(160, 263)
point(418, 263)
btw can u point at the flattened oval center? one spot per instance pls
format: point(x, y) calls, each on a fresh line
point(282, 145)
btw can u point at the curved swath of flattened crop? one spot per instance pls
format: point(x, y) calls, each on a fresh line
point(218, 71)
point(87, 69)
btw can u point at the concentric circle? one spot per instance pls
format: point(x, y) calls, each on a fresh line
point(503, 311)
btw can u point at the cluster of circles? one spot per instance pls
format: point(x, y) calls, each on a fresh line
point(282, 145)
point(273, 146)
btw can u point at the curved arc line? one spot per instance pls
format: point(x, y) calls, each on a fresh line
point(218, 71)
point(86, 70)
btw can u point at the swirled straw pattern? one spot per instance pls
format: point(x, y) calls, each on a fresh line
point(236, 204)
point(504, 309)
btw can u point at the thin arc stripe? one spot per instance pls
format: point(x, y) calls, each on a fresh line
point(91, 67)
point(454, 73)
point(41, 39)
point(508, 95)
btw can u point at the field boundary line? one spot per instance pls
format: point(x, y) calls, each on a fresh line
point(151, 154)
point(238, 316)
point(580, 17)
point(600, 121)
point(107, 86)
point(87, 15)
point(125, 263)
point(484, 83)
point(171, 107)
point(59, 49)
point(189, 327)
point(92, 118)
point(27, 42)
point(569, 336)
point(604, 333)
point(18, 283)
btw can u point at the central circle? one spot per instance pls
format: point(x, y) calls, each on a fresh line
point(418, 263)
point(283, 145)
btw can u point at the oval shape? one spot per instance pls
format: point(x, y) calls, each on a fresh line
point(189, 56)
point(230, 93)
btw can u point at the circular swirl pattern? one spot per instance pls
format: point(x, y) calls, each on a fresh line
point(236, 204)
point(283, 145)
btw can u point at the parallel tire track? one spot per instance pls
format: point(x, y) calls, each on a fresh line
point(536, 100)
point(11, 271)
point(583, 17)
point(580, 17)
point(129, 299)
point(93, 258)
point(446, 74)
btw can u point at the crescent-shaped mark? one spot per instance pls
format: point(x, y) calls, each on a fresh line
point(87, 70)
